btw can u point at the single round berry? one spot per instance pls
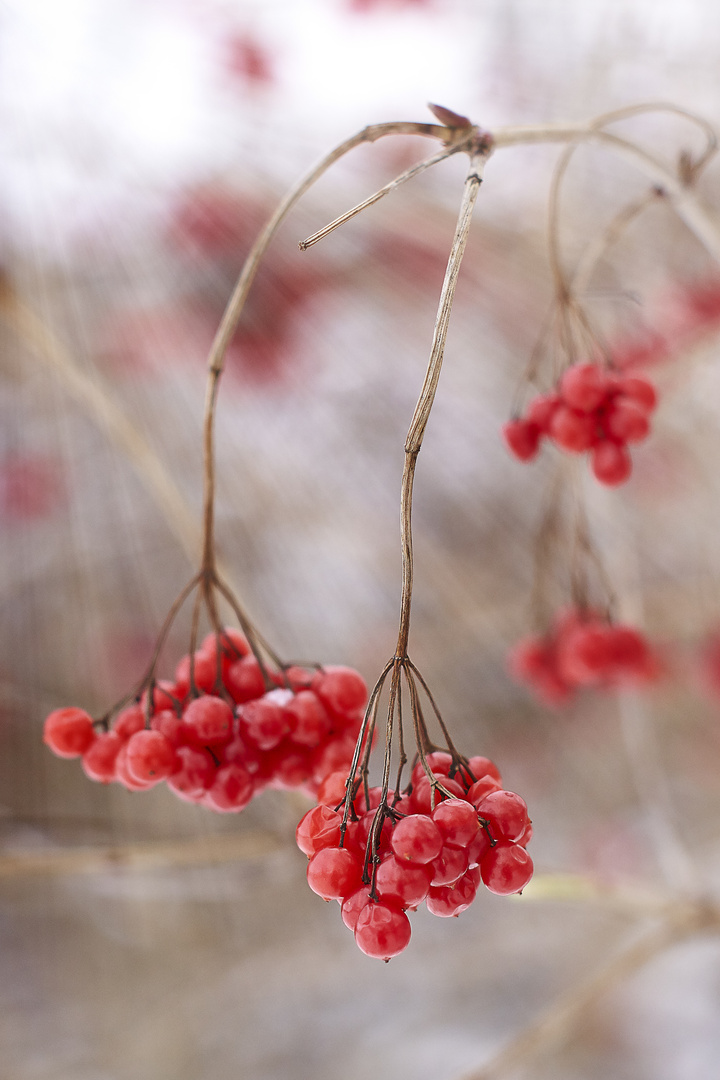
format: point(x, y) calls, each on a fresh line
point(401, 883)
point(639, 391)
point(334, 873)
point(244, 680)
point(451, 863)
point(341, 690)
point(626, 421)
point(382, 931)
point(522, 438)
point(457, 820)
point(318, 829)
point(451, 900)
point(506, 868)
point(128, 721)
point(506, 814)
point(69, 732)
point(417, 839)
point(611, 462)
point(584, 387)
point(231, 790)
point(573, 430)
point(353, 905)
point(209, 720)
point(309, 720)
point(194, 773)
point(98, 761)
point(150, 756)
point(264, 721)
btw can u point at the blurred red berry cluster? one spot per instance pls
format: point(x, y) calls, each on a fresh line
point(582, 650)
point(591, 410)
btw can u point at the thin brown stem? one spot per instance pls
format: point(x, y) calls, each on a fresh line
point(421, 415)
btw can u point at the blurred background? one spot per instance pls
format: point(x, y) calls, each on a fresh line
point(143, 144)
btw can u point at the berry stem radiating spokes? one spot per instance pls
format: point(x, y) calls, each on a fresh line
point(400, 665)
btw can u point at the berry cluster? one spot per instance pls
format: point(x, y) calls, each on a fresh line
point(593, 410)
point(477, 832)
point(226, 738)
point(582, 650)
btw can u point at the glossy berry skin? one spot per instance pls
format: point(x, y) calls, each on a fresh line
point(194, 773)
point(417, 839)
point(451, 863)
point(382, 931)
point(69, 732)
point(318, 829)
point(244, 680)
point(451, 900)
point(308, 718)
point(627, 422)
point(506, 814)
point(353, 905)
point(457, 820)
point(150, 756)
point(572, 430)
point(506, 869)
point(334, 873)
point(401, 883)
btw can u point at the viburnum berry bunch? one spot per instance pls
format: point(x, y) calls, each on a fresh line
point(591, 410)
point(217, 735)
point(583, 649)
point(379, 864)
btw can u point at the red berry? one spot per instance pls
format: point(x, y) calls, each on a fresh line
point(309, 721)
point(481, 788)
point(334, 873)
point(382, 931)
point(170, 724)
point(584, 387)
point(421, 794)
point(150, 756)
point(208, 720)
point(541, 409)
point(583, 654)
point(573, 430)
point(205, 673)
point(231, 790)
point(449, 900)
point(639, 391)
point(457, 820)
point(506, 868)
point(318, 829)
point(353, 905)
point(99, 759)
point(611, 462)
point(417, 839)
point(341, 690)
point(332, 789)
point(450, 864)
point(165, 696)
point(626, 422)
point(125, 777)
point(482, 766)
point(244, 681)
point(264, 721)
point(439, 762)
point(401, 883)
point(194, 773)
point(69, 732)
point(128, 721)
point(522, 438)
point(506, 814)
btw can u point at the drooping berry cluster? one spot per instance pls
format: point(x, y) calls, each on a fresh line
point(592, 410)
point(226, 739)
point(582, 649)
point(477, 833)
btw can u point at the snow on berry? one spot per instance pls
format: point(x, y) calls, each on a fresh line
point(592, 410)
